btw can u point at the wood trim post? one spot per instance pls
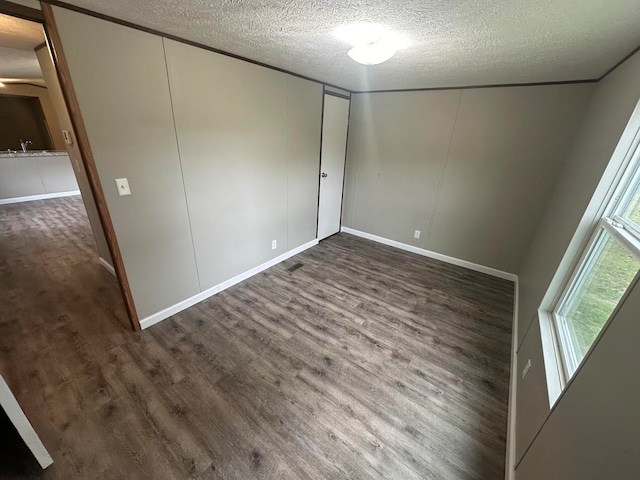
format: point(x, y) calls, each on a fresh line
point(82, 138)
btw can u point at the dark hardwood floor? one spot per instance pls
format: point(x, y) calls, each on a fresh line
point(350, 360)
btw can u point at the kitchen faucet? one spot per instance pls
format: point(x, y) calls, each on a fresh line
point(24, 144)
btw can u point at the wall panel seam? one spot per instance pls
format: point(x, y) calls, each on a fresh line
point(519, 343)
point(344, 167)
point(442, 173)
point(355, 164)
point(184, 186)
point(288, 153)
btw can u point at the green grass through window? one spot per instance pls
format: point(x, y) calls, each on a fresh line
point(611, 275)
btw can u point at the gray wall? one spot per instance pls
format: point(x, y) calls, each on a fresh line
point(531, 391)
point(242, 143)
point(613, 102)
point(120, 78)
point(594, 431)
point(471, 169)
point(595, 422)
point(27, 175)
point(304, 119)
point(221, 156)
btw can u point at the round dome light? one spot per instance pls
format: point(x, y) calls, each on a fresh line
point(372, 53)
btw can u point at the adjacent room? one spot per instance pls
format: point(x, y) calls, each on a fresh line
point(43, 185)
point(323, 240)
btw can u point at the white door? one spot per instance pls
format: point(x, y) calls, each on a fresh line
point(334, 148)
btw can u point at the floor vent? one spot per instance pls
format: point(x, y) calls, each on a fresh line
point(293, 268)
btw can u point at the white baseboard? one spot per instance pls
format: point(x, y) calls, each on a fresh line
point(510, 463)
point(436, 256)
point(44, 196)
point(107, 266)
point(178, 307)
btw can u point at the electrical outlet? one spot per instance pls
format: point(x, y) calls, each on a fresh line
point(526, 369)
point(416, 234)
point(274, 244)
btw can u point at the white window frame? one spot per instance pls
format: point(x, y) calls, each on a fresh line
point(619, 229)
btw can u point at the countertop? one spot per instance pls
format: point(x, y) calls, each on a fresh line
point(33, 153)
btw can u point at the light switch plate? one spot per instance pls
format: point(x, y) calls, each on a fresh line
point(122, 184)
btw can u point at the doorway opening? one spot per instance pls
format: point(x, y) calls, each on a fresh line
point(60, 261)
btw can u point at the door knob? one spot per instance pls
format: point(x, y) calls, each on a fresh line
point(324, 175)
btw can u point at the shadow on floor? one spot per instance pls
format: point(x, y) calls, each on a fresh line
point(16, 460)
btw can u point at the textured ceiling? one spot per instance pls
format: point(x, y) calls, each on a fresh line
point(18, 38)
point(453, 42)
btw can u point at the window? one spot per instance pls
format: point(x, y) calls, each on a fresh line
point(609, 265)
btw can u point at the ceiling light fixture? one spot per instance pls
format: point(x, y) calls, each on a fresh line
point(372, 53)
point(372, 43)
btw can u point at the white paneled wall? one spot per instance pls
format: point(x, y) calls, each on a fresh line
point(234, 122)
point(471, 169)
point(221, 156)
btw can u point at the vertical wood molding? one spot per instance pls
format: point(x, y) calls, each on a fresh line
point(64, 75)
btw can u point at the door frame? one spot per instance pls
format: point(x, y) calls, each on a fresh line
point(54, 43)
point(346, 150)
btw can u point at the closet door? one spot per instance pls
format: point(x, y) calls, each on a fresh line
point(334, 146)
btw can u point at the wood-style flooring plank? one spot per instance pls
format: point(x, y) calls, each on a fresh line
point(361, 362)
